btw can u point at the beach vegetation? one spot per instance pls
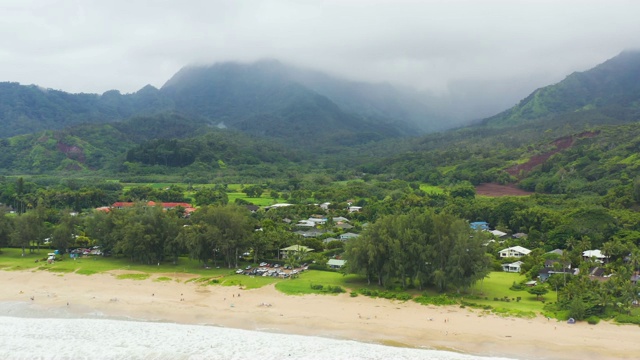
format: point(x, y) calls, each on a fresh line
point(135, 276)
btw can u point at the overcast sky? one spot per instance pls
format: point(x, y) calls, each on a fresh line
point(507, 48)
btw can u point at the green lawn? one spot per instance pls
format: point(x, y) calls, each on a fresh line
point(497, 286)
point(302, 284)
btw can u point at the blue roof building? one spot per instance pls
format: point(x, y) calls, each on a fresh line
point(479, 225)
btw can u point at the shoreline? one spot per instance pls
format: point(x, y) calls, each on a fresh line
point(362, 319)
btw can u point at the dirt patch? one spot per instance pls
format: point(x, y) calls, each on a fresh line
point(496, 190)
point(560, 144)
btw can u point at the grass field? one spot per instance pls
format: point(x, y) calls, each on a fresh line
point(497, 285)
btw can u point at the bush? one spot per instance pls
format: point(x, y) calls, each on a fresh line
point(434, 300)
point(517, 287)
point(627, 319)
point(354, 294)
point(317, 286)
point(593, 320)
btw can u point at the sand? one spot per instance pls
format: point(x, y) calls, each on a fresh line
point(334, 316)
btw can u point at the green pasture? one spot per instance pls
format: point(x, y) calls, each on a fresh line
point(261, 201)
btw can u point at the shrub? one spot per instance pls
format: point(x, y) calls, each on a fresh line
point(628, 319)
point(354, 294)
point(317, 286)
point(517, 287)
point(593, 320)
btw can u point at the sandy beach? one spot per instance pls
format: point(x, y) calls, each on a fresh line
point(359, 318)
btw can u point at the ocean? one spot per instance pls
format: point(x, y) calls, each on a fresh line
point(27, 332)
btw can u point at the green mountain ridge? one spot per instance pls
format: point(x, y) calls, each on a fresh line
point(614, 83)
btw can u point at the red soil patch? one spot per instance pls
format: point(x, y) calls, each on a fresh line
point(72, 152)
point(560, 144)
point(496, 190)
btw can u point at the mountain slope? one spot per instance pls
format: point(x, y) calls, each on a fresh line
point(612, 84)
point(264, 99)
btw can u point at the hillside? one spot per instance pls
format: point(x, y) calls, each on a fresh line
point(614, 84)
point(135, 146)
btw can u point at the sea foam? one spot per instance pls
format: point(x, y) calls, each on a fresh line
point(24, 335)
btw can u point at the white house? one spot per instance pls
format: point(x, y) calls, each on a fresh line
point(306, 223)
point(597, 254)
point(335, 263)
point(355, 208)
point(514, 251)
point(317, 221)
point(498, 233)
point(347, 236)
point(513, 267)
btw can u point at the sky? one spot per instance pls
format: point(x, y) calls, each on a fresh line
point(494, 51)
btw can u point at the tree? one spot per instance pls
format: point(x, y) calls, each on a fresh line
point(231, 227)
point(253, 191)
point(210, 196)
point(6, 227)
point(27, 227)
point(421, 247)
point(64, 232)
point(538, 291)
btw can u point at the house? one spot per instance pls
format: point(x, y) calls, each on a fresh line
point(355, 208)
point(329, 239)
point(556, 251)
point(306, 223)
point(325, 206)
point(514, 251)
point(277, 206)
point(597, 255)
point(317, 221)
point(550, 269)
point(513, 267)
point(519, 235)
point(498, 233)
point(311, 233)
point(336, 263)
point(340, 219)
point(344, 226)
point(347, 236)
point(188, 208)
point(479, 225)
point(294, 249)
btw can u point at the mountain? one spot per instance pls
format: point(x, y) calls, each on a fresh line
point(614, 84)
point(266, 98)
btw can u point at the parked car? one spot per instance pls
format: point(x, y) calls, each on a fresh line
point(239, 271)
point(263, 264)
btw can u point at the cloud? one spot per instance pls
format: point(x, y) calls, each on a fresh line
point(511, 46)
